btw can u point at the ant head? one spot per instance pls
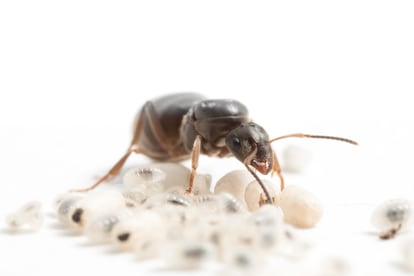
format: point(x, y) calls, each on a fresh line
point(249, 143)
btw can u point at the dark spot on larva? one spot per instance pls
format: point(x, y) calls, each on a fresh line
point(195, 253)
point(77, 215)
point(124, 237)
point(242, 260)
point(396, 214)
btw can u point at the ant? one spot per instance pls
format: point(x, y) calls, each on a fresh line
point(180, 126)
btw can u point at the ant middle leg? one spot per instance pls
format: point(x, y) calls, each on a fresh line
point(195, 154)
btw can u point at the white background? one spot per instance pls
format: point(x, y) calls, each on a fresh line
point(74, 74)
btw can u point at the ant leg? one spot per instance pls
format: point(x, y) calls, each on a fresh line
point(276, 168)
point(118, 165)
point(194, 162)
point(112, 172)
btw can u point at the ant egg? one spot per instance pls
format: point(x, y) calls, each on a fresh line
point(29, 215)
point(138, 226)
point(94, 205)
point(63, 204)
point(235, 183)
point(146, 176)
point(408, 254)
point(99, 230)
point(391, 216)
point(300, 207)
point(295, 159)
point(188, 254)
point(254, 196)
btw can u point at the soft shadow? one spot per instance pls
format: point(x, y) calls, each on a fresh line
point(115, 251)
point(400, 266)
point(17, 232)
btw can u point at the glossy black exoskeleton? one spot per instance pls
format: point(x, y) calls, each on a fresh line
point(183, 125)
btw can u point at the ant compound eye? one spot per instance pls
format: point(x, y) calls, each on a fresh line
point(236, 142)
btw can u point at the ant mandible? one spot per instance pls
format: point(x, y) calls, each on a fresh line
point(178, 126)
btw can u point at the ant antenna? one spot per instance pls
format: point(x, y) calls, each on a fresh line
point(302, 135)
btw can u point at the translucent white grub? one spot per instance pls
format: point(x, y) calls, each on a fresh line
point(135, 197)
point(146, 176)
point(139, 226)
point(222, 203)
point(94, 205)
point(267, 216)
point(301, 208)
point(63, 205)
point(201, 185)
point(177, 199)
point(295, 159)
point(188, 254)
point(242, 260)
point(255, 196)
point(175, 173)
point(99, 230)
point(29, 216)
point(407, 251)
point(235, 183)
point(391, 216)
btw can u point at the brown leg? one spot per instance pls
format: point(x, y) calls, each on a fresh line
point(276, 168)
point(194, 162)
point(118, 165)
point(112, 172)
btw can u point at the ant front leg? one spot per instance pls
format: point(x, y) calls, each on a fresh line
point(195, 154)
point(276, 168)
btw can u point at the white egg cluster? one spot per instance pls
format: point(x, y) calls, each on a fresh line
point(154, 217)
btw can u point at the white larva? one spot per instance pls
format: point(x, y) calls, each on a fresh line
point(63, 205)
point(391, 216)
point(222, 203)
point(201, 185)
point(94, 205)
point(267, 216)
point(177, 199)
point(139, 226)
point(188, 254)
point(242, 260)
point(99, 230)
point(146, 176)
point(175, 173)
point(28, 216)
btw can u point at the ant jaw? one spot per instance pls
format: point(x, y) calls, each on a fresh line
point(263, 166)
